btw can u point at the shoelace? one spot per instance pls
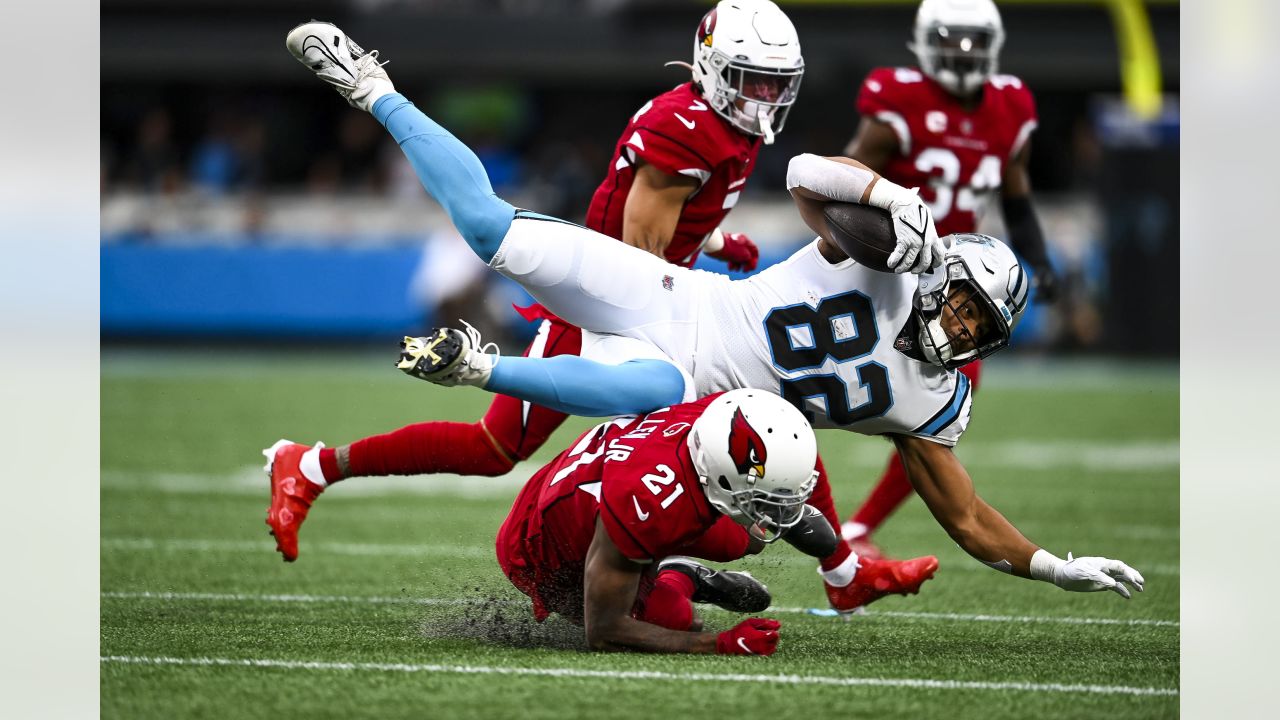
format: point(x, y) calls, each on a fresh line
point(474, 336)
point(373, 56)
point(363, 70)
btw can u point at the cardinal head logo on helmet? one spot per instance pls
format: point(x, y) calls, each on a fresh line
point(707, 27)
point(746, 447)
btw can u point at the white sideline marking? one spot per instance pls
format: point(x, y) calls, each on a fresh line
point(968, 564)
point(1010, 618)
point(1070, 454)
point(342, 599)
point(471, 551)
point(251, 481)
point(268, 545)
point(916, 683)
point(385, 600)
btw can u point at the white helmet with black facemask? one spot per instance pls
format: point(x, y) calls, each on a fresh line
point(967, 307)
point(747, 64)
point(755, 454)
point(958, 43)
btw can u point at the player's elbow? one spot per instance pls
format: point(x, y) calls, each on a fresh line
point(800, 168)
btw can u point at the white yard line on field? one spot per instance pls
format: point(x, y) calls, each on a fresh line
point(266, 545)
point(386, 600)
point(1065, 455)
point(967, 564)
point(469, 551)
point(340, 599)
point(252, 482)
point(914, 683)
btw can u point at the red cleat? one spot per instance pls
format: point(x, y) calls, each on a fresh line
point(877, 578)
point(291, 495)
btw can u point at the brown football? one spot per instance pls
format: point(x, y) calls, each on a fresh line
point(864, 232)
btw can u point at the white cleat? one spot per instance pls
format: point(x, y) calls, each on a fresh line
point(337, 60)
point(449, 357)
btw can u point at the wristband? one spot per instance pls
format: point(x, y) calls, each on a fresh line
point(885, 193)
point(1045, 565)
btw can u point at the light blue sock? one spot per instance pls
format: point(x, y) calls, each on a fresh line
point(576, 386)
point(450, 172)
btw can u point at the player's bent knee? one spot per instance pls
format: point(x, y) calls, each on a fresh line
point(492, 464)
point(484, 224)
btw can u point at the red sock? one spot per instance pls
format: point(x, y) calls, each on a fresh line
point(329, 465)
point(822, 500)
point(669, 603)
point(892, 490)
point(429, 447)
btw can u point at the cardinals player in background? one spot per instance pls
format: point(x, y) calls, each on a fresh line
point(676, 171)
point(961, 133)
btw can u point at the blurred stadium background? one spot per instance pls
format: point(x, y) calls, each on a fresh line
point(240, 203)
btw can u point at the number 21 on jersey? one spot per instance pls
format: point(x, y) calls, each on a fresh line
point(841, 328)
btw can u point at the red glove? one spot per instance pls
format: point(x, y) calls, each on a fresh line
point(739, 252)
point(754, 636)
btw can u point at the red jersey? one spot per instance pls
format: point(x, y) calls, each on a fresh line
point(956, 156)
point(637, 476)
point(678, 133)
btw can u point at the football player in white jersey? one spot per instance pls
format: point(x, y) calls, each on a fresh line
point(859, 349)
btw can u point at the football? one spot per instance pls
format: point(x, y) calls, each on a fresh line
point(865, 233)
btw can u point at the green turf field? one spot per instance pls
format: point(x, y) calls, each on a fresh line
point(397, 607)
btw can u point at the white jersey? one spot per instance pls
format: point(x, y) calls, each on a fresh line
point(822, 336)
point(819, 335)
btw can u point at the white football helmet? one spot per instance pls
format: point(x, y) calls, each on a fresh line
point(958, 42)
point(980, 284)
point(755, 454)
point(747, 64)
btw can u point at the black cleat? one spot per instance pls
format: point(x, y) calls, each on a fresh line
point(813, 535)
point(448, 356)
point(732, 590)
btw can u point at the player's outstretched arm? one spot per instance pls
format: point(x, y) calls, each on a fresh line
point(812, 179)
point(610, 583)
point(946, 488)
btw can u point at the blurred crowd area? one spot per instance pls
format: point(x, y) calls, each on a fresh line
point(249, 159)
point(189, 152)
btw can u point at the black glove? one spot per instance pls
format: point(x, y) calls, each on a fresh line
point(1046, 286)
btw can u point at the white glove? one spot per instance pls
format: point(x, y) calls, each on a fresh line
point(919, 249)
point(1086, 574)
